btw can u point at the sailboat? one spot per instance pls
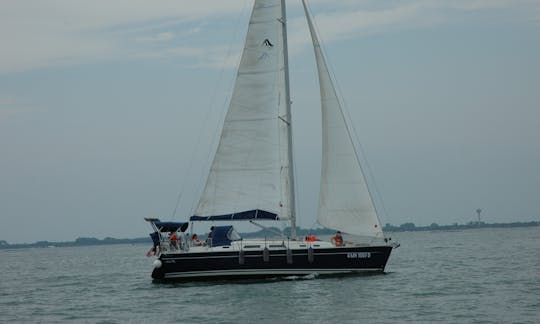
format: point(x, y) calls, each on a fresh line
point(251, 178)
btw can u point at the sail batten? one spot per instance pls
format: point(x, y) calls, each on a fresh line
point(345, 203)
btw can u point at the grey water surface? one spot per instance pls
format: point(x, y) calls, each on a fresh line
point(471, 276)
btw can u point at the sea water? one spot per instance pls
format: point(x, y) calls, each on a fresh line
point(470, 276)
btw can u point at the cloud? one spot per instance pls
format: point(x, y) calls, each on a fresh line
point(159, 37)
point(348, 19)
point(38, 34)
point(346, 24)
point(11, 107)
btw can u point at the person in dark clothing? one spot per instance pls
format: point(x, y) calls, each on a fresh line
point(156, 247)
point(209, 238)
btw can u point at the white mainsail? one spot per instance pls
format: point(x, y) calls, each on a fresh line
point(345, 203)
point(251, 169)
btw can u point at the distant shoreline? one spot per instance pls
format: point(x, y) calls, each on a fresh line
point(406, 227)
point(410, 227)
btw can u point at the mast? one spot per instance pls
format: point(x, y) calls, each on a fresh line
point(292, 201)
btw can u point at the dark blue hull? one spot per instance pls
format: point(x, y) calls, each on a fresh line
point(253, 264)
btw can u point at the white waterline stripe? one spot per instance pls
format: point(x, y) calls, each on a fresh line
point(212, 273)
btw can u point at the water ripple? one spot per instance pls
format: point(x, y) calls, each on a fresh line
point(477, 276)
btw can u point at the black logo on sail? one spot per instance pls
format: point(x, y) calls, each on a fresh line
point(267, 43)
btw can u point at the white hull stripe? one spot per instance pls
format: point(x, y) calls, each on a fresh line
point(256, 255)
point(259, 272)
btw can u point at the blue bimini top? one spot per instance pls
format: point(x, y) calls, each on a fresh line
point(171, 226)
point(245, 215)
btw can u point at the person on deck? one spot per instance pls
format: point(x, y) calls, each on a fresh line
point(173, 241)
point(337, 239)
point(195, 240)
point(310, 238)
point(183, 241)
point(209, 238)
point(155, 249)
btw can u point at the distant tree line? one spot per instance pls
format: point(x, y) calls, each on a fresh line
point(81, 241)
point(410, 227)
point(90, 241)
point(271, 232)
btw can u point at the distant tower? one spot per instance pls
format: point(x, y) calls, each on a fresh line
point(478, 212)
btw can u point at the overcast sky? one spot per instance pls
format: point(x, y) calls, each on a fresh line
point(109, 109)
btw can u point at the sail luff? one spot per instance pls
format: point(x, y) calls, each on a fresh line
point(345, 202)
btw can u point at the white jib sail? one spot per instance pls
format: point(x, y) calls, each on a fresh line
point(251, 166)
point(345, 203)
